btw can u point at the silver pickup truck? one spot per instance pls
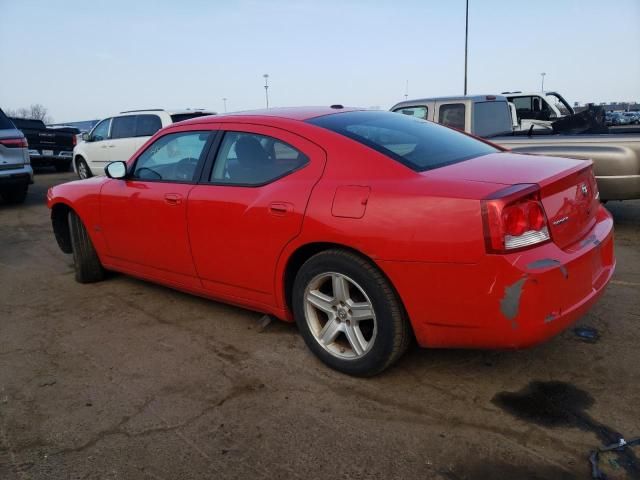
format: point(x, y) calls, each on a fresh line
point(615, 154)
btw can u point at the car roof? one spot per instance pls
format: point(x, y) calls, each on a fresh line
point(289, 113)
point(179, 111)
point(457, 98)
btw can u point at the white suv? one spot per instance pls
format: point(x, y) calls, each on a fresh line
point(118, 137)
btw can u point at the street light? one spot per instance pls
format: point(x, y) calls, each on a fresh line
point(466, 46)
point(542, 87)
point(266, 88)
point(225, 104)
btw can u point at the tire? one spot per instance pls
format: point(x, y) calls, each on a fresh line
point(85, 259)
point(83, 169)
point(15, 195)
point(62, 166)
point(356, 347)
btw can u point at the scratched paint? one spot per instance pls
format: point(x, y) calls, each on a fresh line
point(549, 262)
point(510, 303)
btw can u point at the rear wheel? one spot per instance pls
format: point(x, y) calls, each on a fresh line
point(15, 195)
point(348, 313)
point(85, 259)
point(83, 168)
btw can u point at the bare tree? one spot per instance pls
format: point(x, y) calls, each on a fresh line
point(36, 111)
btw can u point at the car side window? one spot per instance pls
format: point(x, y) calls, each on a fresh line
point(452, 115)
point(147, 125)
point(171, 158)
point(101, 132)
point(123, 127)
point(418, 112)
point(251, 159)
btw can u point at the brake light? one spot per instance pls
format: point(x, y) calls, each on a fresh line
point(74, 140)
point(14, 142)
point(514, 219)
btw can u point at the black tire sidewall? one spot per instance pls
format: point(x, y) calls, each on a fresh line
point(81, 161)
point(378, 357)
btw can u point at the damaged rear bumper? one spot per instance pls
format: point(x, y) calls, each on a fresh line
point(506, 301)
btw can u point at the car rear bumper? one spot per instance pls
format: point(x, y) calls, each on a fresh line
point(506, 301)
point(620, 187)
point(16, 177)
point(38, 158)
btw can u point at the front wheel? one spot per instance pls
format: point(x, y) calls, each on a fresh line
point(348, 313)
point(85, 259)
point(83, 169)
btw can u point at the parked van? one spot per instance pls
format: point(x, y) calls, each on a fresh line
point(118, 137)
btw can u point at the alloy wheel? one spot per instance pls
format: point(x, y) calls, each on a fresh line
point(83, 170)
point(340, 315)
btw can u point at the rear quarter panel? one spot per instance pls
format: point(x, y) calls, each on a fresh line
point(409, 217)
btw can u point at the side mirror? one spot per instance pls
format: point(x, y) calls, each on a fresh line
point(86, 137)
point(116, 170)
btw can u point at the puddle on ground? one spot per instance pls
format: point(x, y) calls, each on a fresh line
point(560, 404)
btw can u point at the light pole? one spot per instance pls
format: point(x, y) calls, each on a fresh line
point(466, 46)
point(406, 90)
point(266, 88)
point(542, 87)
point(225, 104)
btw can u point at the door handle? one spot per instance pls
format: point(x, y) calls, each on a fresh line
point(111, 145)
point(172, 198)
point(280, 208)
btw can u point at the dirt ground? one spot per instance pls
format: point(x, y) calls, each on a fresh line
point(124, 379)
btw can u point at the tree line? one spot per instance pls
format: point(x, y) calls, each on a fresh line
point(36, 111)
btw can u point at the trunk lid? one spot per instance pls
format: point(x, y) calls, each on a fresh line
point(568, 189)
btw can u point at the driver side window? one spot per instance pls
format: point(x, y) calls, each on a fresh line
point(101, 131)
point(171, 158)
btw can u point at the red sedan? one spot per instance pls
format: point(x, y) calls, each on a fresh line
point(367, 228)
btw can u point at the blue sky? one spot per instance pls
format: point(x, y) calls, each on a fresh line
point(89, 59)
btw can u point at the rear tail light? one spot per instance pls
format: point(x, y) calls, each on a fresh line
point(514, 219)
point(74, 140)
point(14, 142)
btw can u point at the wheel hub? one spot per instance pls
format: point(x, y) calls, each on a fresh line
point(340, 315)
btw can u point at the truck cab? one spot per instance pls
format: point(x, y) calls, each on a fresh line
point(484, 115)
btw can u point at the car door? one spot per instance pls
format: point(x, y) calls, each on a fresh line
point(123, 142)
point(146, 127)
point(96, 148)
point(248, 206)
point(144, 215)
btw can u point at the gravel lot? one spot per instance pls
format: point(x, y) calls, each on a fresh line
point(128, 380)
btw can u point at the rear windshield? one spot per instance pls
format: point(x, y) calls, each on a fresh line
point(179, 117)
point(5, 123)
point(419, 144)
